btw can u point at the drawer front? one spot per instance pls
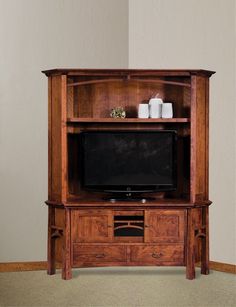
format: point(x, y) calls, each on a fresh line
point(93, 253)
point(158, 253)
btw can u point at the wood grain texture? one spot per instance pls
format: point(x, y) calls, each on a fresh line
point(81, 230)
point(70, 101)
point(64, 162)
point(164, 226)
point(50, 138)
point(207, 137)
point(55, 154)
point(199, 138)
point(126, 120)
point(96, 98)
point(91, 201)
point(92, 226)
point(197, 222)
point(80, 83)
point(158, 253)
point(106, 253)
point(51, 255)
point(66, 256)
point(190, 252)
point(222, 267)
point(205, 242)
point(193, 133)
point(23, 266)
point(133, 72)
point(60, 223)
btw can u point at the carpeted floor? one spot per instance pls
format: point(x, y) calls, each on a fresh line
point(141, 286)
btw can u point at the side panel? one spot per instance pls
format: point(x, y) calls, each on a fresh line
point(199, 138)
point(57, 139)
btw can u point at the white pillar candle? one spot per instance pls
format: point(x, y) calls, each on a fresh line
point(143, 110)
point(167, 110)
point(155, 107)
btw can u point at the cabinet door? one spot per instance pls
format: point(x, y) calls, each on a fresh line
point(164, 226)
point(92, 226)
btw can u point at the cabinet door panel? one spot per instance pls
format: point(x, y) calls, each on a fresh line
point(92, 226)
point(164, 225)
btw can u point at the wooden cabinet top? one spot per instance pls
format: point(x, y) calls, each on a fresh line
point(120, 72)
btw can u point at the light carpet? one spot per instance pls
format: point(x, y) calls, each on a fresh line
point(122, 286)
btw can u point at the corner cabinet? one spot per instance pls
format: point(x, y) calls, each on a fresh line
point(83, 229)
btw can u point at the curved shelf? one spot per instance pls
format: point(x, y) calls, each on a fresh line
point(129, 79)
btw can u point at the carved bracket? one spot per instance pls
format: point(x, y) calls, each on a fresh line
point(200, 232)
point(57, 232)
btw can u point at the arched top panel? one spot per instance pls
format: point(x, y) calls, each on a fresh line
point(160, 81)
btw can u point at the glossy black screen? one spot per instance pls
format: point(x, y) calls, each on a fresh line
point(117, 160)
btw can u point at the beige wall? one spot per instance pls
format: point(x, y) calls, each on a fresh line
point(42, 34)
point(37, 35)
point(198, 34)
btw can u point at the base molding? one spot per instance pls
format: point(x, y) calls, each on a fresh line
point(223, 267)
point(42, 265)
point(24, 266)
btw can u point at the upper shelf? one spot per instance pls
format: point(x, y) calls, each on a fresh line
point(127, 120)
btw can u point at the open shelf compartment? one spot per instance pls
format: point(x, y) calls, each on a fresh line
point(90, 99)
point(75, 188)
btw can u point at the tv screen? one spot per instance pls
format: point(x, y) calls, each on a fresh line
point(129, 161)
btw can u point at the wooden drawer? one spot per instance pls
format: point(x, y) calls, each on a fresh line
point(93, 253)
point(172, 253)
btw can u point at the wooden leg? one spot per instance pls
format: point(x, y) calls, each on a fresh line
point(66, 265)
point(205, 243)
point(190, 263)
point(51, 263)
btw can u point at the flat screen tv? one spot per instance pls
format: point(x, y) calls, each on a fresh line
point(129, 161)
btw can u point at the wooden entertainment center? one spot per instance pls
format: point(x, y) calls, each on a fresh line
point(86, 231)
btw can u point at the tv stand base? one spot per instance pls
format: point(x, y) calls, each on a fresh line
point(171, 234)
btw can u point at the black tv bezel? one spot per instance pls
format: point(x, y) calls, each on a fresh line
point(137, 188)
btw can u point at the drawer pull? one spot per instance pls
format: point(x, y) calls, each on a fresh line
point(100, 255)
point(157, 255)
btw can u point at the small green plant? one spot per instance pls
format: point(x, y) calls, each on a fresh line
point(118, 112)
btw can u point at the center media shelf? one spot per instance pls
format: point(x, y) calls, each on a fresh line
point(127, 120)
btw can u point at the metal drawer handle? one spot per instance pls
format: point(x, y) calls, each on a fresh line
point(100, 255)
point(157, 255)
